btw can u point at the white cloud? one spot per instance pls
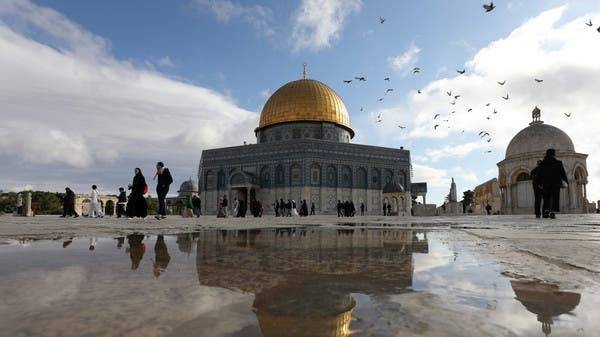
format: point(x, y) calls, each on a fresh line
point(319, 22)
point(406, 61)
point(166, 61)
point(64, 100)
point(455, 151)
point(266, 93)
point(564, 53)
point(433, 176)
point(257, 16)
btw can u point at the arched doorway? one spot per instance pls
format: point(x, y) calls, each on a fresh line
point(523, 191)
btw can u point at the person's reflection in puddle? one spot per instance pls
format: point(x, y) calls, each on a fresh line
point(93, 242)
point(120, 241)
point(545, 300)
point(161, 256)
point(67, 242)
point(136, 249)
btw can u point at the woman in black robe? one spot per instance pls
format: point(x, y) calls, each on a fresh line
point(137, 206)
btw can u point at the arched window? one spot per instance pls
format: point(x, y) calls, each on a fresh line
point(375, 180)
point(295, 175)
point(346, 176)
point(265, 177)
point(315, 175)
point(523, 176)
point(211, 181)
point(279, 175)
point(388, 176)
point(331, 176)
point(221, 180)
point(361, 178)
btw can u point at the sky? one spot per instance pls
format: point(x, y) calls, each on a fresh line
point(91, 90)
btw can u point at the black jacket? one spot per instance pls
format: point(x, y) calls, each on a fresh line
point(165, 179)
point(551, 173)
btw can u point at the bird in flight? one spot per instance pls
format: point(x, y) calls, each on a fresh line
point(567, 114)
point(389, 90)
point(469, 110)
point(589, 24)
point(381, 99)
point(483, 134)
point(381, 19)
point(402, 127)
point(419, 91)
point(502, 83)
point(457, 96)
point(495, 111)
point(436, 116)
point(538, 80)
point(386, 79)
point(449, 93)
point(360, 78)
point(489, 140)
point(505, 97)
point(361, 108)
point(453, 103)
point(488, 118)
point(436, 126)
point(489, 8)
point(488, 104)
point(453, 112)
point(489, 151)
point(461, 71)
point(416, 70)
point(347, 81)
point(598, 29)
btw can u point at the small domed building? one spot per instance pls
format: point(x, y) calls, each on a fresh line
point(303, 152)
point(524, 150)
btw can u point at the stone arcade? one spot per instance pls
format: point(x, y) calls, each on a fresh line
point(303, 152)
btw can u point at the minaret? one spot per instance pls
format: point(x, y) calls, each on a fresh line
point(304, 70)
point(453, 196)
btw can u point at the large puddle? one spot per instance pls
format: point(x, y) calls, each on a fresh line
point(276, 282)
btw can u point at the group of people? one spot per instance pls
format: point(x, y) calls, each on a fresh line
point(289, 208)
point(547, 179)
point(347, 209)
point(132, 206)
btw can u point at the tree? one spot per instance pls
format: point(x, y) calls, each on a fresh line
point(467, 201)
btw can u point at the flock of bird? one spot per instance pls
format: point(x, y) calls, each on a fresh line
point(440, 120)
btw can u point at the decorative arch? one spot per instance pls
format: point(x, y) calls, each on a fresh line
point(238, 178)
point(221, 180)
point(361, 178)
point(388, 176)
point(375, 178)
point(279, 175)
point(315, 174)
point(295, 175)
point(331, 176)
point(346, 176)
point(265, 177)
point(210, 180)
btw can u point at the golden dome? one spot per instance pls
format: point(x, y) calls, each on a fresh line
point(305, 100)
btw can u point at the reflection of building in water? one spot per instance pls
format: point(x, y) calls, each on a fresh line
point(545, 300)
point(303, 278)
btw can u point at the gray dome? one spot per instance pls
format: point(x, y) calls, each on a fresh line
point(188, 186)
point(538, 137)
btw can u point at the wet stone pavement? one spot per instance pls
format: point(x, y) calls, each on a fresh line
point(305, 280)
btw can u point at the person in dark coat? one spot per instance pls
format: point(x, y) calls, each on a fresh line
point(136, 249)
point(339, 208)
point(137, 206)
point(121, 202)
point(312, 208)
point(537, 191)
point(69, 204)
point(551, 175)
point(161, 256)
point(162, 188)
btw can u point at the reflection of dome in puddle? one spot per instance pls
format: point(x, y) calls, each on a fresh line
point(304, 309)
point(545, 300)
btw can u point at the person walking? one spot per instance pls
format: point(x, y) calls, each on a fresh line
point(121, 202)
point(137, 206)
point(551, 174)
point(162, 188)
point(488, 208)
point(537, 190)
point(384, 209)
point(95, 209)
point(197, 203)
point(312, 208)
point(362, 208)
point(224, 206)
point(69, 204)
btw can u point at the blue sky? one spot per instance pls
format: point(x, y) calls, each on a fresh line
point(126, 62)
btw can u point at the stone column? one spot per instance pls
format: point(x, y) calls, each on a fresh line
point(27, 210)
